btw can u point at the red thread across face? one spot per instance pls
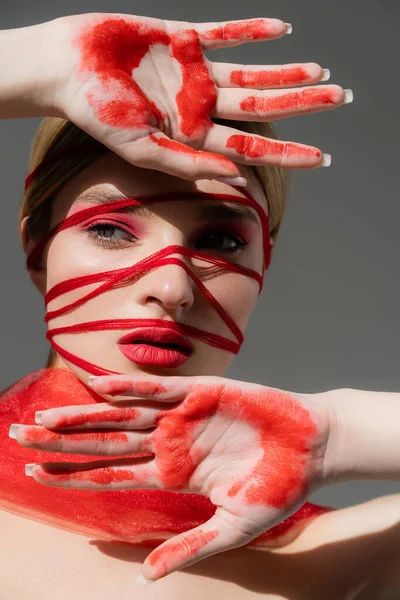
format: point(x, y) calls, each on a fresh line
point(109, 279)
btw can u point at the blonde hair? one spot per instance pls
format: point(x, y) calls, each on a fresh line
point(66, 150)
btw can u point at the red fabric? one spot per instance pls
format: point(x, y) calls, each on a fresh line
point(140, 517)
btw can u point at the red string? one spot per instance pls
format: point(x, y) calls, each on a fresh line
point(163, 257)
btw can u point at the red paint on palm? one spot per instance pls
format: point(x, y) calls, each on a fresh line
point(114, 48)
point(143, 517)
point(254, 79)
point(285, 431)
point(312, 97)
point(197, 98)
point(163, 560)
point(250, 30)
point(256, 147)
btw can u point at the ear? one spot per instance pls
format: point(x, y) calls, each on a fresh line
point(271, 242)
point(38, 273)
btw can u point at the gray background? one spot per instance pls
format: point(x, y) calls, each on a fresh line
point(328, 315)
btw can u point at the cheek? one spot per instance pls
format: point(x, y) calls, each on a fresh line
point(237, 294)
point(69, 257)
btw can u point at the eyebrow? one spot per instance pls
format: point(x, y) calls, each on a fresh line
point(207, 212)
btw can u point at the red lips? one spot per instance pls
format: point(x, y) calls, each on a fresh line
point(158, 336)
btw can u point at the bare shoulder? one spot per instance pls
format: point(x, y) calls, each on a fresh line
point(357, 547)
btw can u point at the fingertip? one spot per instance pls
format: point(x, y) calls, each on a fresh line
point(142, 580)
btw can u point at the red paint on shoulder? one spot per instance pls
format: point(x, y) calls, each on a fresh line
point(254, 79)
point(166, 558)
point(256, 147)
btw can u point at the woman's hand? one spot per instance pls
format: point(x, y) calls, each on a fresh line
point(144, 88)
point(256, 452)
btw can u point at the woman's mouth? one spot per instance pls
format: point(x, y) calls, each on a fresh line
point(155, 346)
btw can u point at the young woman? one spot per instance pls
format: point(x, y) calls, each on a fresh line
point(150, 250)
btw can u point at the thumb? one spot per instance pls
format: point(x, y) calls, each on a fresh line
point(214, 536)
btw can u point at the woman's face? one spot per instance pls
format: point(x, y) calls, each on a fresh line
point(122, 238)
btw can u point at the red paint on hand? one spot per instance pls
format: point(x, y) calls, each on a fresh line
point(257, 147)
point(285, 430)
point(173, 554)
point(254, 79)
point(290, 101)
point(247, 30)
point(121, 415)
point(113, 49)
point(103, 476)
point(36, 435)
point(198, 96)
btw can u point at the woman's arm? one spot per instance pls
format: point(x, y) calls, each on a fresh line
point(364, 440)
point(29, 70)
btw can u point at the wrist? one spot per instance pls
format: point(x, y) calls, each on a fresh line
point(31, 69)
point(364, 435)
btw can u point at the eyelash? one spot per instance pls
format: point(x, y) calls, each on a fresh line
point(93, 232)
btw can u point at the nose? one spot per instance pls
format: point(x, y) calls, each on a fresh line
point(168, 285)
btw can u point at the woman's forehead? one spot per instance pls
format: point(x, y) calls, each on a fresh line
point(111, 173)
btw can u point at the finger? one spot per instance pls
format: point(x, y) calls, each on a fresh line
point(97, 475)
point(163, 154)
point(125, 415)
point(216, 535)
point(276, 104)
point(257, 150)
point(227, 75)
point(96, 443)
point(163, 389)
point(232, 33)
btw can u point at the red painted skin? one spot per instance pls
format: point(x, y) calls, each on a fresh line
point(259, 79)
point(292, 100)
point(141, 517)
point(115, 48)
point(254, 30)
point(167, 558)
point(273, 415)
point(182, 148)
point(256, 147)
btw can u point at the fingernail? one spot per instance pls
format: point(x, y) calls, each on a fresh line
point(241, 181)
point(327, 74)
point(289, 28)
point(28, 469)
point(12, 432)
point(348, 96)
point(90, 380)
point(142, 580)
point(38, 416)
point(326, 160)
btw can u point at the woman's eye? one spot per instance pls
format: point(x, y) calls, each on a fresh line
point(109, 234)
point(220, 242)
